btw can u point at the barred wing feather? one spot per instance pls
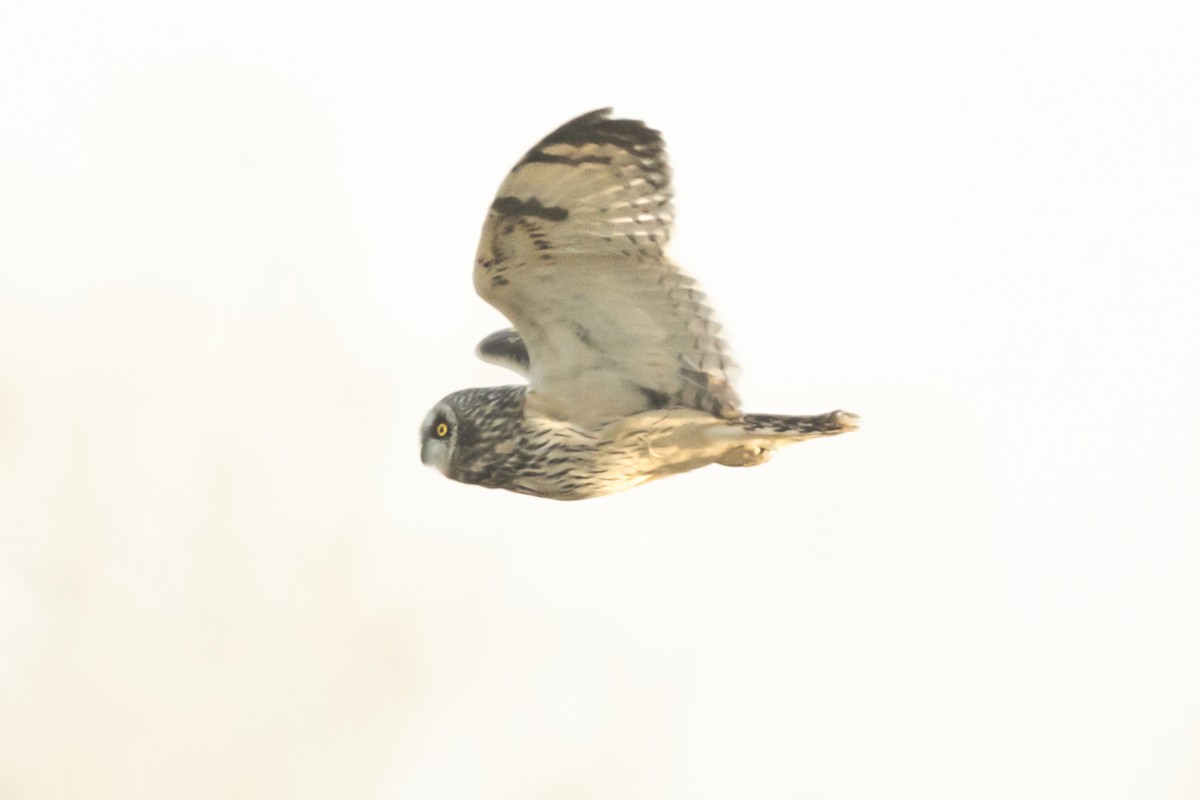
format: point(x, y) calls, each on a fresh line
point(572, 252)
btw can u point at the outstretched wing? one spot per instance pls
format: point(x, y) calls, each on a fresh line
point(572, 253)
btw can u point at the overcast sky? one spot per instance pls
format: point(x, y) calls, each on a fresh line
point(235, 259)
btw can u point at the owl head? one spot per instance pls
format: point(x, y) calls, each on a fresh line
point(469, 434)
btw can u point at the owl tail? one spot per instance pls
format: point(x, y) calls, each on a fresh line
point(754, 437)
point(798, 429)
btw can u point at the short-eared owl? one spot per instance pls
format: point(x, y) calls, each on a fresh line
point(629, 378)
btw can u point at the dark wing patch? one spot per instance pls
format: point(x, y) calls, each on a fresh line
point(516, 207)
point(506, 349)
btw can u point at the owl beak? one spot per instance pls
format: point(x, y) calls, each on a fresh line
point(434, 454)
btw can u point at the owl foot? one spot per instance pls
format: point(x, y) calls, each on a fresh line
point(746, 456)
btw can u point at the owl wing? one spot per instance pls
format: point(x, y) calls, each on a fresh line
point(507, 349)
point(572, 252)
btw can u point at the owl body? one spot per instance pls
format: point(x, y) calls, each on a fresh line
point(501, 440)
point(629, 376)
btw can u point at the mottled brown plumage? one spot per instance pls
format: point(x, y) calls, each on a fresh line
point(629, 376)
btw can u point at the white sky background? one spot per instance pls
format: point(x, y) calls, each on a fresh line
point(235, 262)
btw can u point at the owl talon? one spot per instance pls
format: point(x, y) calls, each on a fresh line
point(748, 456)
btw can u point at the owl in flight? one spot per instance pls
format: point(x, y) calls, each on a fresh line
point(629, 377)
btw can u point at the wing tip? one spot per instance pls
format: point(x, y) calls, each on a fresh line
point(599, 126)
point(505, 349)
point(595, 115)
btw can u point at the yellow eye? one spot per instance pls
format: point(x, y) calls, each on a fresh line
point(442, 429)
